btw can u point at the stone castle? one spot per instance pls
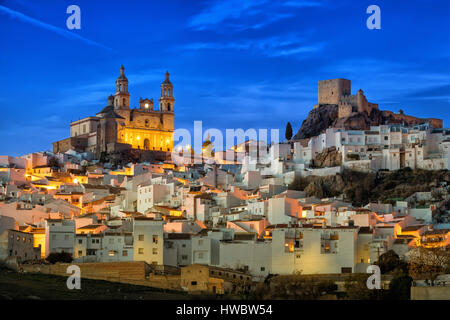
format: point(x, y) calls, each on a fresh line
point(117, 127)
point(338, 92)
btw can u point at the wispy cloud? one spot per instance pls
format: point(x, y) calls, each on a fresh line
point(277, 46)
point(63, 32)
point(247, 14)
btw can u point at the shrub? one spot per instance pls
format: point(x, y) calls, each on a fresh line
point(55, 257)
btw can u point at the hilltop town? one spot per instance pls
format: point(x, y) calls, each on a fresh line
point(361, 185)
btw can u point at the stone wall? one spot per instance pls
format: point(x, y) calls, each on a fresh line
point(430, 293)
point(110, 271)
point(132, 272)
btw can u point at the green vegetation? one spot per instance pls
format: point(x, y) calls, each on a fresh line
point(288, 132)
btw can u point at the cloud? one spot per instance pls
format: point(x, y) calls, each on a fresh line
point(63, 32)
point(220, 11)
point(247, 14)
point(435, 92)
point(277, 46)
point(302, 4)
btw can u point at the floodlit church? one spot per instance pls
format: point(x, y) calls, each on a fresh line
point(117, 127)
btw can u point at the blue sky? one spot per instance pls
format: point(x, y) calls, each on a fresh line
point(234, 64)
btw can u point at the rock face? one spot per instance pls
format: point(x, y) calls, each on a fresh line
point(328, 158)
point(318, 120)
point(327, 115)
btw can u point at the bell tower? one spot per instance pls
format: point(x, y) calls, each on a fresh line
point(167, 101)
point(122, 96)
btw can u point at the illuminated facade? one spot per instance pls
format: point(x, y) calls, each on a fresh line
point(117, 127)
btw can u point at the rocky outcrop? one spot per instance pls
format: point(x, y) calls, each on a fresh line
point(327, 158)
point(326, 116)
point(317, 121)
point(361, 188)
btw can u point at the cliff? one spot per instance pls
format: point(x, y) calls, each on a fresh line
point(326, 116)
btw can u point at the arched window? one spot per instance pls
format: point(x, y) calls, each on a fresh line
point(168, 107)
point(146, 122)
point(123, 102)
point(146, 144)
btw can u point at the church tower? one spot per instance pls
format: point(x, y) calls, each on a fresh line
point(167, 101)
point(122, 96)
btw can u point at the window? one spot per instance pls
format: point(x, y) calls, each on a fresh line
point(111, 241)
point(155, 250)
point(184, 257)
point(194, 283)
point(200, 255)
point(53, 237)
point(141, 237)
point(263, 269)
point(80, 241)
point(80, 253)
point(111, 253)
point(200, 242)
point(155, 239)
point(141, 250)
point(124, 253)
point(346, 270)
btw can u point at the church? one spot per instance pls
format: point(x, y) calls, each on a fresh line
point(118, 128)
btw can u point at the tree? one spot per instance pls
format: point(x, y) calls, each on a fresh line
point(391, 262)
point(288, 132)
point(400, 288)
point(55, 257)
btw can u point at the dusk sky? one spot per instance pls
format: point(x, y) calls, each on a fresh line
point(234, 64)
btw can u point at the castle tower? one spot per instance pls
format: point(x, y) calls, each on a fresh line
point(331, 91)
point(122, 96)
point(167, 101)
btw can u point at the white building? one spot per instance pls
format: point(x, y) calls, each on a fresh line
point(148, 240)
point(59, 236)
